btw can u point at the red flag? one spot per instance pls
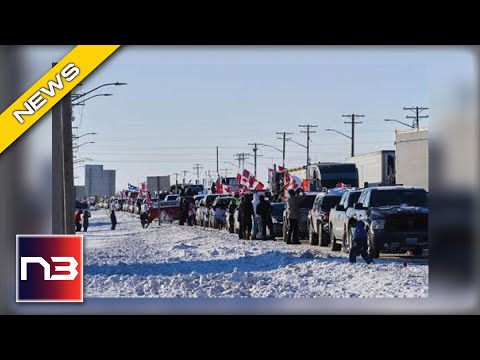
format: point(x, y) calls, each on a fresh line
point(281, 168)
point(305, 185)
point(270, 170)
point(149, 199)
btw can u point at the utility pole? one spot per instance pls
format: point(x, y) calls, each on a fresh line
point(353, 122)
point(417, 116)
point(58, 220)
point(285, 139)
point(184, 175)
point(69, 187)
point(62, 167)
point(198, 167)
point(308, 132)
point(217, 159)
point(255, 149)
point(241, 157)
point(226, 171)
point(176, 182)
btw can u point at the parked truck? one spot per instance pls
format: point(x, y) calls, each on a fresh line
point(327, 175)
point(376, 168)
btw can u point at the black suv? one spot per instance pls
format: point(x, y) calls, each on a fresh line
point(396, 218)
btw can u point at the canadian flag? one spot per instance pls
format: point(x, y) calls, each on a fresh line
point(281, 168)
point(242, 179)
point(223, 189)
point(292, 182)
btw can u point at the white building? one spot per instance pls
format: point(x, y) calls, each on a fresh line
point(99, 182)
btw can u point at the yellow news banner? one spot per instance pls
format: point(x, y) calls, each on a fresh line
point(50, 89)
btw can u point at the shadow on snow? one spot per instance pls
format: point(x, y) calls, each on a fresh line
point(265, 262)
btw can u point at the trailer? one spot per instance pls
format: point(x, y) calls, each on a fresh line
point(375, 168)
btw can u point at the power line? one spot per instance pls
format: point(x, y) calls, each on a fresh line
point(198, 167)
point(241, 157)
point(417, 116)
point(285, 139)
point(308, 132)
point(255, 149)
point(353, 123)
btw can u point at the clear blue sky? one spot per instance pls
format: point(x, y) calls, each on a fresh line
point(182, 102)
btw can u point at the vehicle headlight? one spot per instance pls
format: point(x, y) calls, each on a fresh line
point(378, 224)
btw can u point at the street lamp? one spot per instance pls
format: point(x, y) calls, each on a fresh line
point(338, 132)
point(273, 147)
point(78, 137)
point(348, 137)
point(87, 142)
point(401, 122)
point(91, 97)
point(304, 146)
point(78, 96)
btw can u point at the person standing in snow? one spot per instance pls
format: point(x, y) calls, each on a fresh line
point(192, 210)
point(144, 219)
point(245, 212)
point(293, 207)
point(86, 215)
point(78, 219)
point(264, 209)
point(359, 244)
point(113, 219)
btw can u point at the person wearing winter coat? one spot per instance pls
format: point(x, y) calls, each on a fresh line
point(264, 210)
point(144, 219)
point(113, 219)
point(78, 220)
point(245, 212)
point(293, 206)
point(231, 211)
point(359, 244)
point(192, 210)
point(86, 215)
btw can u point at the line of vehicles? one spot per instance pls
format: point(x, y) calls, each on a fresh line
point(396, 216)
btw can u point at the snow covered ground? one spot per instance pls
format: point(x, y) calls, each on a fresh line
point(176, 261)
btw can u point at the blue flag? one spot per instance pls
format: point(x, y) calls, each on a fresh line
point(133, 188)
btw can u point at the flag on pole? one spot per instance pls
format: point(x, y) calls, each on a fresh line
point(281, 168)
point(132, 188)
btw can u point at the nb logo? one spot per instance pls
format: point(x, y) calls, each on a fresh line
point(71, 268)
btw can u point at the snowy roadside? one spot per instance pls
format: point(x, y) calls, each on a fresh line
point(172, 261)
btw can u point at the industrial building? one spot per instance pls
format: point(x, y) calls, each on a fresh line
point(412, 157)
point(99, 182)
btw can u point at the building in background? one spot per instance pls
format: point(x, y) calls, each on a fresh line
point(99, 182)
point(376, 168)
point(412, 157)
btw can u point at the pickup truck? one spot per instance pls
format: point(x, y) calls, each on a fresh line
point(337, 220)
point(317, 222)
point(396, 218)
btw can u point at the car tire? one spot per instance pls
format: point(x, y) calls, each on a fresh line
point(346, 243)
point(333, 242)
point(312, 236)
point(374, 253)
point(323, 237)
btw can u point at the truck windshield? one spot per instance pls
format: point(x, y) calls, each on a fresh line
point(307, 201)
point(329, 201)
point(353, 197)
point(399, 197)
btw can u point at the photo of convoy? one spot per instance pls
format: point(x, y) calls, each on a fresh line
point(396, 216)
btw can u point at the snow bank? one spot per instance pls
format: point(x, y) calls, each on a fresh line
point(173, 261)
